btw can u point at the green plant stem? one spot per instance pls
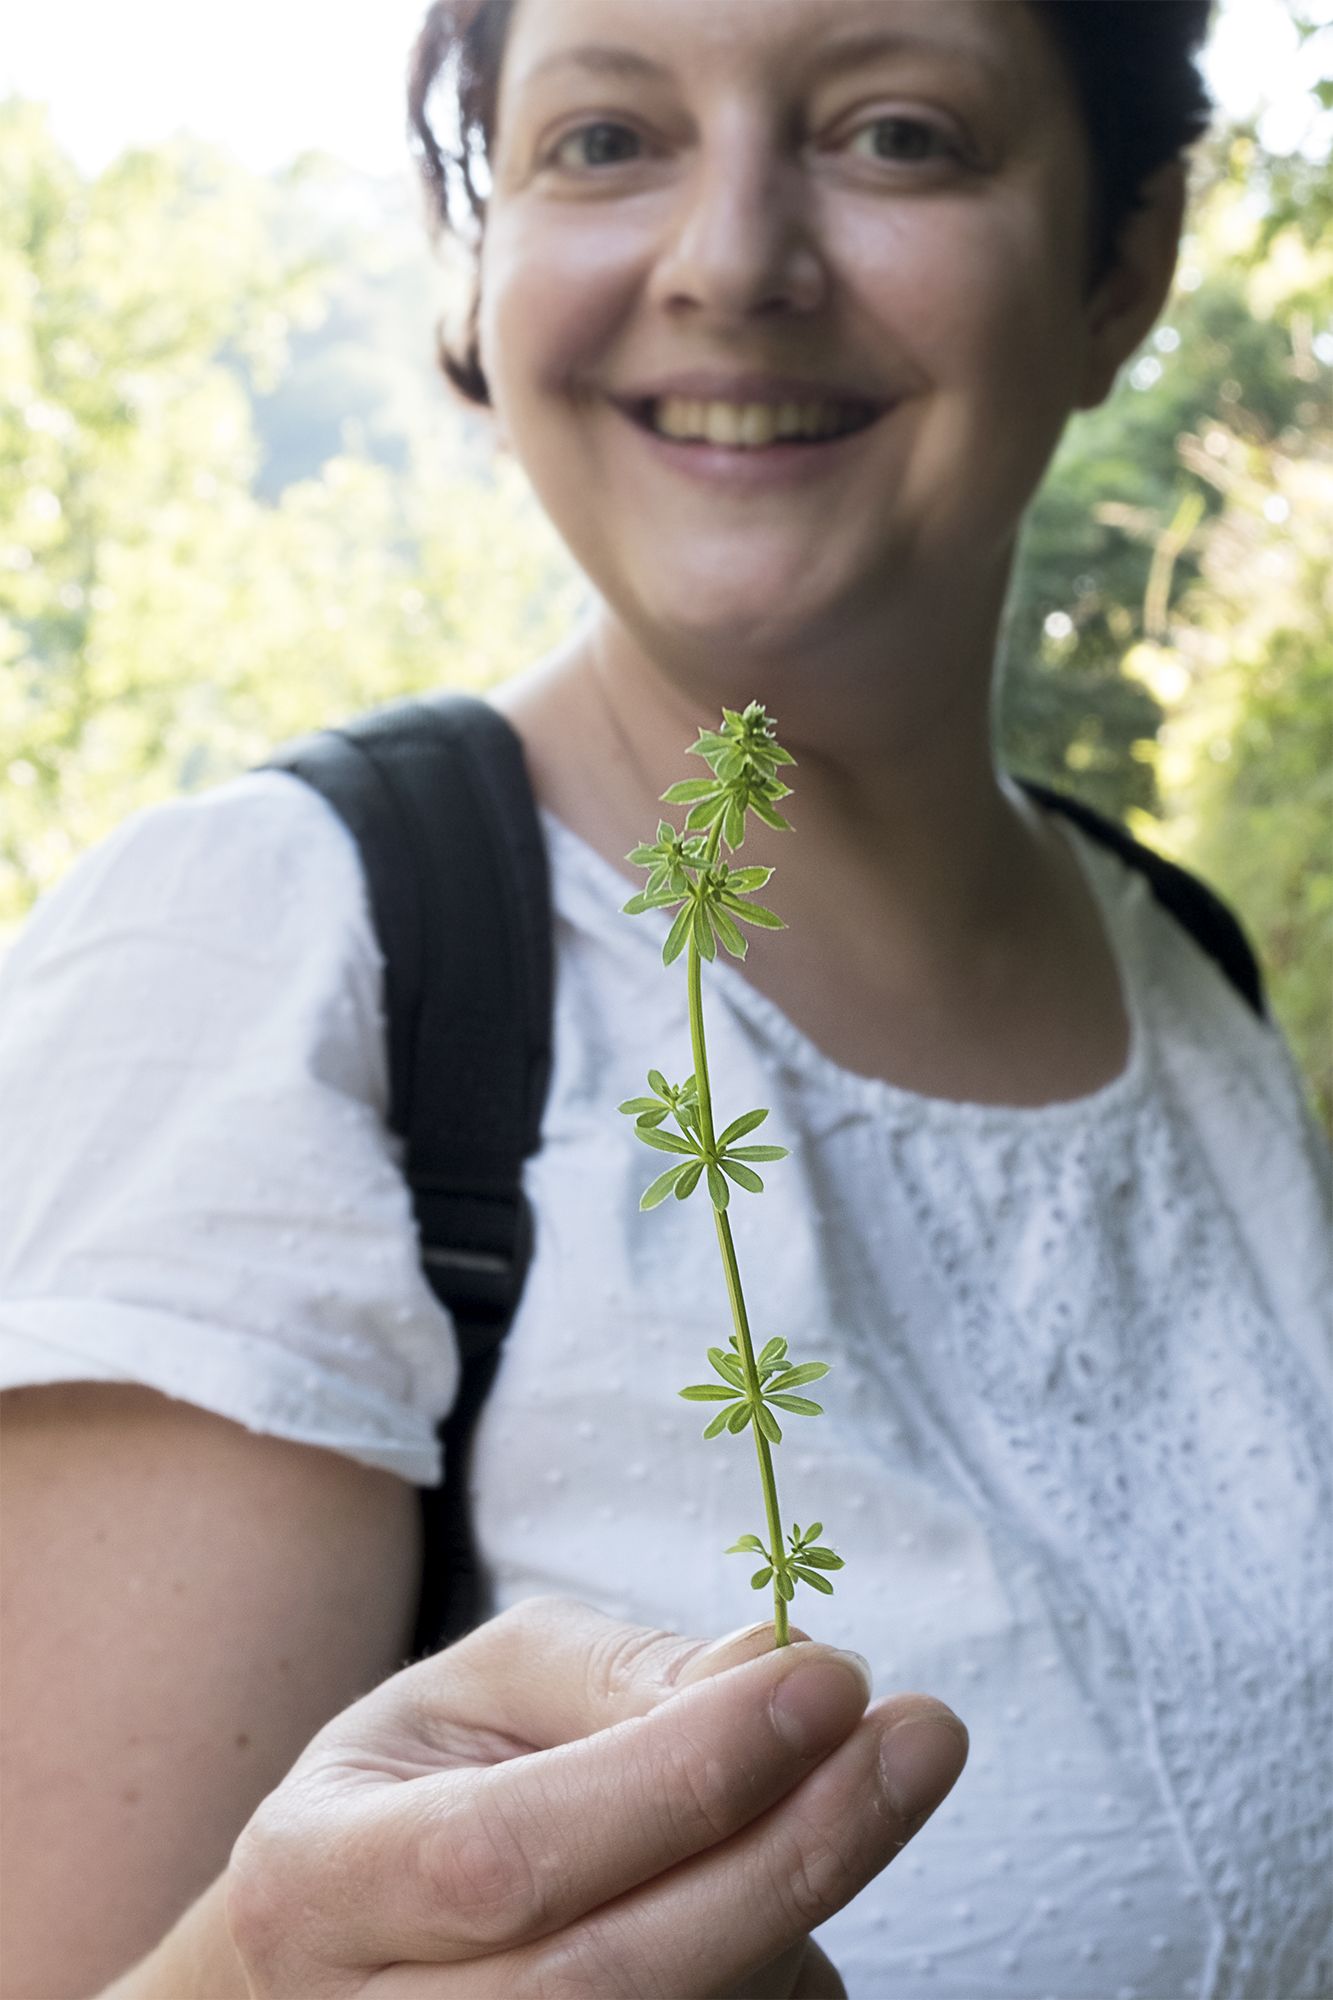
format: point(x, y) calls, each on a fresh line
point(740, 1319)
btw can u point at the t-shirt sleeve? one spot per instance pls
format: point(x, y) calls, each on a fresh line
point(198, 1189)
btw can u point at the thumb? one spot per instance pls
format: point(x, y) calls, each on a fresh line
point(551, 1670)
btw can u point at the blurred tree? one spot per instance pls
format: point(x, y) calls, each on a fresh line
point(161, 625)
point(1169, 647)
point(178, 339)
point(1069, 714)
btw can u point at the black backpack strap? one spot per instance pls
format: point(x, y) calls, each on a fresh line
point(1191, 902)
point(436, 795)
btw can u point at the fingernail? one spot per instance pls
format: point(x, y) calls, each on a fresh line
point(736, 1649)
point(818, 1703)
point(760, 1627)
point(920, 1760)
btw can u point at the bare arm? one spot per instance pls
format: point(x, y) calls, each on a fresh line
point(183, 1604)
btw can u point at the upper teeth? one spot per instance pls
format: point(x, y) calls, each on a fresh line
point(747, 423)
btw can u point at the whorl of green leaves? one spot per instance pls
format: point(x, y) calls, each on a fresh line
point(711, 899)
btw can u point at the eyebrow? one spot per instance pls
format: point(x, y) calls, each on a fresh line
point(838, 53)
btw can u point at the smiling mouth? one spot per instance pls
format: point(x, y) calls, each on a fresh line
point(752, 428)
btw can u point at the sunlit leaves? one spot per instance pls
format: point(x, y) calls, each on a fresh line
point(685, 871)
point(710, 900)
point(805, 1560)
point(754, 1403)
point(744, 756)
point(713, 899)
point(681, 1103)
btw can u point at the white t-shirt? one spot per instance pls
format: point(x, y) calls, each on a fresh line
point(1077, 1451)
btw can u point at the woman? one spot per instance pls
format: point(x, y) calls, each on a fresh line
point(1053, 1212)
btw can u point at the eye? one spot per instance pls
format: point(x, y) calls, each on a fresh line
point(911, 130)
point(605, 142)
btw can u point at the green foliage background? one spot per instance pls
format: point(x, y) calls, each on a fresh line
point(234, 506)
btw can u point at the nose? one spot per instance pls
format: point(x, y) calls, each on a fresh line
point(739, 240)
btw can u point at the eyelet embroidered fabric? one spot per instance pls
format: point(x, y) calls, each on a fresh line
point(1076, 1452)
point(1077, 1449)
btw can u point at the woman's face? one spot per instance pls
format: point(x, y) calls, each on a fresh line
point(885, 199)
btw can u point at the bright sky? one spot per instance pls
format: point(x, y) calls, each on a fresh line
point(271, 78)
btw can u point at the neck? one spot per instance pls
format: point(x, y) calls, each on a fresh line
point(900, 814)
point(947, 939)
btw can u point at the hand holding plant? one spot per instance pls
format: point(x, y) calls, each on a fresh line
point(686, 869)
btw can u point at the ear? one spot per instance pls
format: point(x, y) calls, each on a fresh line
point(1130, 297)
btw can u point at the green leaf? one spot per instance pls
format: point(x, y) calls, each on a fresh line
point(773, 1351)
point(735, 824)
point(760, 1578)
point(738, 946)
point(816, 1582)
point(739, 1418)
point(747, 1542)
point(643, 856)
point(660, 1188)
point(800, 1406)
point(768, 1424)
point(718, 1425)
point(742, 1176)
point(635, 1105)
point(822, 1558)
point(770, 816)
point(747, 880)
point(657, 1082)
point(709, 1392)
point(809, 1371)
point(637, 906)
point(702, 932)
point(787, 1587)
point(728, 1367)
point(648, 1120)
point(705, 812)
point(759, 1153)
point(815, 1528)
point(740, 1127)
point(755, 913)
point(664, 1142)
point(717, 1188)
point(688, 790)
point(689, 1180)
point(678, 936)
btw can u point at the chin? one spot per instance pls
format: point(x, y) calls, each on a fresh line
point(735, 632)
point(761, 610)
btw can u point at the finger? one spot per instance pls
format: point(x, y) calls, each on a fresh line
point(738, 1907)
point(529, 1847)
point(472, 1862)
point(551, 1670)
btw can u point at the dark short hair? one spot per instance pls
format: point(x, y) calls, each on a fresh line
point(1133, 64)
